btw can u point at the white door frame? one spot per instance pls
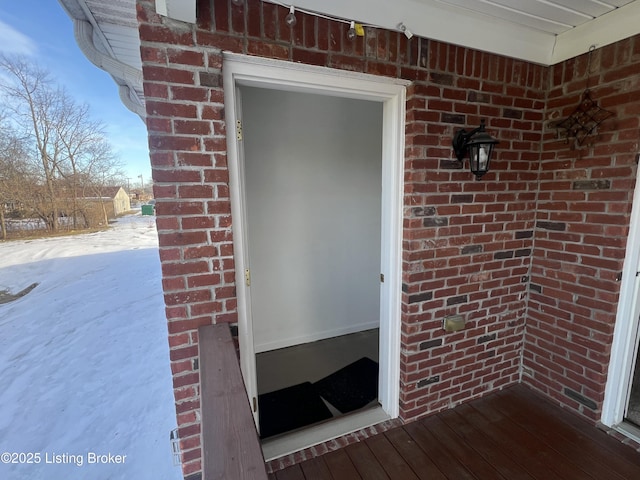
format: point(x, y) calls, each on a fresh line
point(625, 336)
point(241, 70)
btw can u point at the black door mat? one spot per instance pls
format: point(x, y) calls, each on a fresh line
point(290, 408)
point(351, 387)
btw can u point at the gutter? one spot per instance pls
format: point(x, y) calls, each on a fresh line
point(83, 32)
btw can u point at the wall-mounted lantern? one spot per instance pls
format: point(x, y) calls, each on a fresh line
point(479, 144)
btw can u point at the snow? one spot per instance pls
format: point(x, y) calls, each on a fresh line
point(84, 357)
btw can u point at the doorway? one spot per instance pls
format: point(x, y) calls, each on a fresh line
point(633, 405)
point(313, 185)
point(327, 266)
point(622, 390)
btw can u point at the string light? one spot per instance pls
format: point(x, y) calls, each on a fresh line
point(403, 28)
point(290, 19)
point(238, 3)
point(354, 29)
point(351, 33)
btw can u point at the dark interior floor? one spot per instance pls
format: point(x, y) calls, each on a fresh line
point(309, 362)
point(305, 384)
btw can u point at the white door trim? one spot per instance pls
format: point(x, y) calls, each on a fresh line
point(625, 336)
point(241, 70)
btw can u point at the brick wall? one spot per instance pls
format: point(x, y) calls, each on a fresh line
point(468, 245)
point(582, 223)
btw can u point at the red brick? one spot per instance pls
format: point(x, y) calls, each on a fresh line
point(178, 340)
point(165, 74)
point(206, 280)
point(190, 443)
point(184, 268)
point(223, 42)
point(310, 57)
point(156, 90)
point(169, 284)
point(158, 34)
point(180, 326)
point(206, 308)
point(160, 125)
point(161, 159)
point(176, 175)
point(194, 159)
point(192, 94)
point(173, 143)
point(186, 57)
point(207, 251)
point(166, 109)
point(180, 208)
point(192, 127)
point(191, 467)
point(180, 367)
point(183, 353)
point(186, 380)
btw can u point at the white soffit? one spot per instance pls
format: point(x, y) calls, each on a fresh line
point(612, 27)
point(107, 34)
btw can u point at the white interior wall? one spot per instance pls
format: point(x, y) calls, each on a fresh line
point(313, 187)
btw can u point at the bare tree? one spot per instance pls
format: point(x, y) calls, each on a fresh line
point(70, 152)
point(18, 180)
point(34, 102)
point(13, 176)
point(83, 146)
point(103, 170)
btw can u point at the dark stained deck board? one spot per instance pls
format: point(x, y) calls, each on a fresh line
point(514, 434)
point(365, 462)
point(598, 437)
point(592, 443)
point(485, 446)
point(292, 473)
point(415, 457)
point(566, 468)
point(316, 468)
point(468, 457)
point(391, 460)
point(564, 439)
point(440, 454)
point(340, 466)
point(529, 461)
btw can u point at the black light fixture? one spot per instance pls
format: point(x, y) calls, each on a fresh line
point(479, 144)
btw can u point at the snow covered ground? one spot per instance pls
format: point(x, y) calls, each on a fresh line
point(84, 358)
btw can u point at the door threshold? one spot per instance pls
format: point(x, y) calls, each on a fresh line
point(629, 430)
point(296, 441)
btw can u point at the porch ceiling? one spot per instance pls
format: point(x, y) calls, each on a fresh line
point(540, 31)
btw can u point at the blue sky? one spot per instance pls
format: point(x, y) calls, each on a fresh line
point(41, 30)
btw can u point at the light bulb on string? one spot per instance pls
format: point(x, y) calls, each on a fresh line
point(403, 28)
point(238, 3)
point(351, 33)
point(290, 19)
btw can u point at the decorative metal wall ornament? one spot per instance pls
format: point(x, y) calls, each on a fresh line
point(585, 118)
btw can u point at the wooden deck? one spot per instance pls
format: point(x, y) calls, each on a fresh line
point(511, 435)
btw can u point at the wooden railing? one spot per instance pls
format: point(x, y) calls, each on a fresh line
point(230, 446)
